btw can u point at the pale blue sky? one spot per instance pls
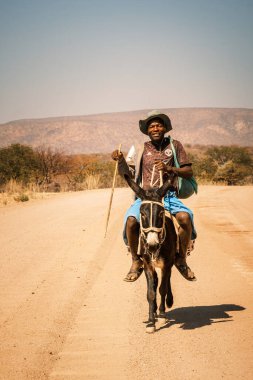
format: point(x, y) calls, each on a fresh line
point(81, 57)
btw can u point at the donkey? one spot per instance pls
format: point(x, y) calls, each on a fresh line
point(157, 247)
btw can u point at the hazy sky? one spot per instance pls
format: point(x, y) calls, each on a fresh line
point(77, 57)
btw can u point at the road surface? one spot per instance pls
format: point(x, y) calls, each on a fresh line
point(66, 314)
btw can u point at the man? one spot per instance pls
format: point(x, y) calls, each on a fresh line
point(158, 156)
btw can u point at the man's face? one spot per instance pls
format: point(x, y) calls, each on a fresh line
point(156, 130)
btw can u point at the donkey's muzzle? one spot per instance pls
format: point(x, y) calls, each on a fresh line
point(152, 240)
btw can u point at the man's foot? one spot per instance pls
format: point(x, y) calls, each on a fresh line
point(135, 271)
point(190, 247)
point(185, 271)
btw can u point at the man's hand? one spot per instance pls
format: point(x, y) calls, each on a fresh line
point(160, 165)
point(117, 155)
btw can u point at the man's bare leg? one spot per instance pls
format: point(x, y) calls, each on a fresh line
point(132, 233)
point(185, 232)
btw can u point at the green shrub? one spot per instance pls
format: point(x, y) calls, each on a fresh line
point(224, 164)
point(22, 167)
point(21, 198)
point(18, 162)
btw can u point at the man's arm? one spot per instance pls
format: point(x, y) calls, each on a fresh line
point(184, 172)
point(123, 167)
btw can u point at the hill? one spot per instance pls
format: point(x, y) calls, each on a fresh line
point(103, 132)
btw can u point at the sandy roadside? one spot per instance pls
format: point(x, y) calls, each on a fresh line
point(67, 314)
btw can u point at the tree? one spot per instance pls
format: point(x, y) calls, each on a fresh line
point(227, 164)
point(233, 164)
point(203, 167)
point(52, 163)
point(18, 162)
point(223, 154)
point(230, 173)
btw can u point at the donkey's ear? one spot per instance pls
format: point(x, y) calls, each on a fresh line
point(164, 188)
point(135, 187)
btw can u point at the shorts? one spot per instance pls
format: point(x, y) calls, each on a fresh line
point(171, 203)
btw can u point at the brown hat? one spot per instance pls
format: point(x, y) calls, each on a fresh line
point(143, 124)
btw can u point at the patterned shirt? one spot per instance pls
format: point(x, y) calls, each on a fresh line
point(152, 154)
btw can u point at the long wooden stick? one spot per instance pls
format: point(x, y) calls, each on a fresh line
point(113, 186)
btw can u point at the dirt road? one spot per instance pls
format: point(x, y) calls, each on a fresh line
point(66, 314)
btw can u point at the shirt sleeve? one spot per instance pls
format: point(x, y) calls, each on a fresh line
point(181, 154)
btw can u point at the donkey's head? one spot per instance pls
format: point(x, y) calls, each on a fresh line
point(152, 216)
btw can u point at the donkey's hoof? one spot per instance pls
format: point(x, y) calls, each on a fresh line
point(169, 302)
point(150, 329)
point(162, 320)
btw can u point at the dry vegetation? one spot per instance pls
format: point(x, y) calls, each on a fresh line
point(27, 173)
point(14, 191)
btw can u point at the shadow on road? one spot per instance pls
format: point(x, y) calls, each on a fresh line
point(190, 318)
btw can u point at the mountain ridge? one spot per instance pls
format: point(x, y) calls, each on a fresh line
point(101, 133)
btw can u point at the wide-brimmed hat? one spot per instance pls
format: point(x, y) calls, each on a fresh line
point(143, 124)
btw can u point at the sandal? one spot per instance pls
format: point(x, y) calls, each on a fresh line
point(184, 270)
point(133, 275)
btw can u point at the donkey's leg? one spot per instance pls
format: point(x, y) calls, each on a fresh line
point(152, 282)
point(169, 298)
point(132, 232)
point(164, 288)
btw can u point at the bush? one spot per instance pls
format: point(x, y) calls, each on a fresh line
point(44, 169)
point(21, 198)
point(223, 154)
point(18, 162)
point(22, 164)
point(52, 163)
point(225, 164)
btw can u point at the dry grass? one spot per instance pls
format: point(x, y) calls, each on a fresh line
point(92, 182)
point(12, 187)
point(13, 192)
